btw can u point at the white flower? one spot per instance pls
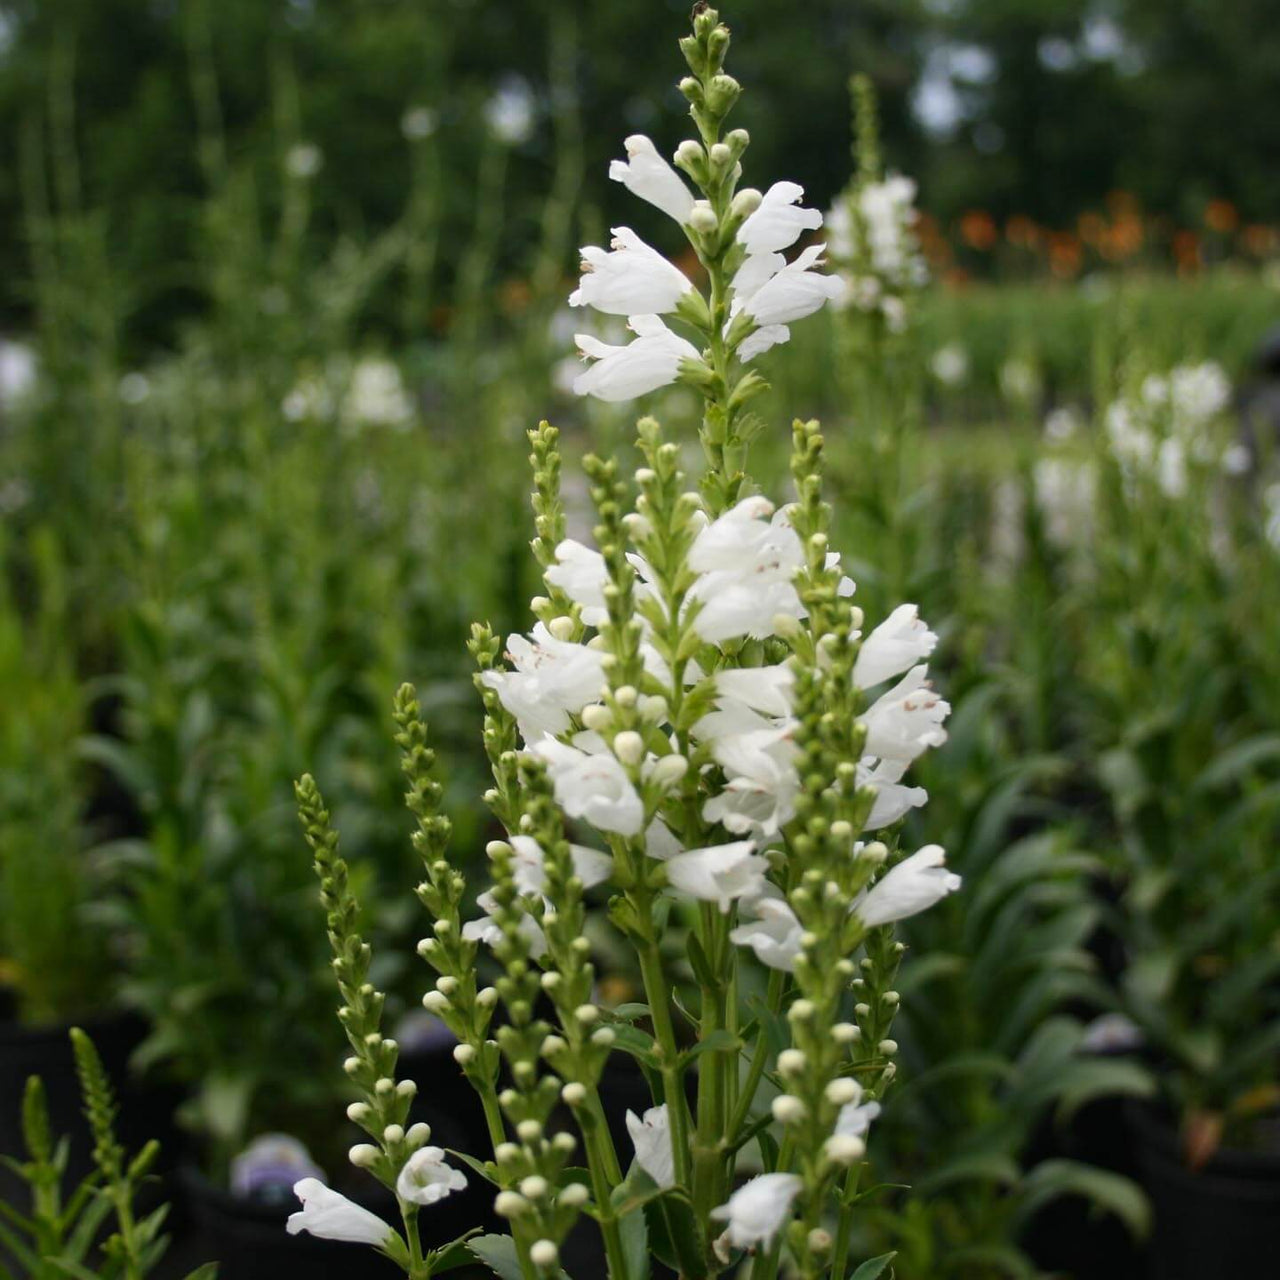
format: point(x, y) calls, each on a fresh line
point(754, 344)
point(778, 221)
point(893, 800)
point(764, 689)
point(593, 786)
point(1199, 391)
point(331, 1216)
point(509, 112)
point(720, 874)
point(426, 1177)
point(19, 371)
point(855, 1117)
point(901, 640)
point(794, 292)
point(914, 885)
point(646, 174)
point(529, 866)
point(774, 934)
point(950, 364)
point(581, 574)
point(907, 719)
point(760, 794)
point(376, 395)
point(487, 930)
point(552, 678)
point(632, 279)
point(651, 1137)
point(418, 123)
point(622, 373)
point(304, 160)
point(1062, 423)
point(758, 1209)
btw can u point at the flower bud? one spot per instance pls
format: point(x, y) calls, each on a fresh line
point(533, 1187)
point(565, 1142)
point(507, 1204)
point(562, 628)
point(604, 1038)
point(385, 1087)
point(358, 1112)
point(745, 203)
point(861, 1009)
point(506, 1153)
point(393, 1134)
point(845, 1033)
point(669, 770)
point(819, 1241)
point(463, 1054)
point(653, 708)
point(791, 1062)
point(419, 1134)
point(720, 153)
point(842, 1091)
point(364, 1155)
point(552, 1045)
point(435, 1002)
point(574, 1094)
point(626, 696)
point(542, 1253)
point(446, 985)
point(801, 1011)
point(875, 852)
point(628, 746)
point(586, 1014)
point(597, 717)
point(487, 997)
point(888, 1047)
point(574, 1196)
point(688, 152)
point(703, 218)
point(844, 1149)
point(528, 1131)
point(787, 1109)
point(351, 1066)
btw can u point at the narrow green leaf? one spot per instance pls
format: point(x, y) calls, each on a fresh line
point(873, 1267)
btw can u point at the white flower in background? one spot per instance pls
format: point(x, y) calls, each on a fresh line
point(646, 174)
point(905, 721)
point(795, 291)
point(487, 930)
point(1019, 381)
point(552, 680)
point(1065, 491)
point(1271, 510)
point(908, 888)
point(1062, 423)
point(330, 1216)
point(426, 1177)
point(631, 279)
point(1199, 391)
point(757, 1211)
point(134, 387)
point(855, 1117)
point(1113, 1032)
point(376, 395)
point(418, 123)
point(773, 934)
point(303, 160)
point(651, 361)
point(778, 221)
point(950, 365)
point(721, 874)
point(1236, 459)
point(19, 370)
point(529, 865)
point(899, 642)
point(509, 113)
point(651, 1138)
point(310, 400)
point(593, 786)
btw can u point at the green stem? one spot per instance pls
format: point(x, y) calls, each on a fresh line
point(418, 1269)
point(658, 997)
point(599, 1155)
point(755, 1072)
point(844, 1228)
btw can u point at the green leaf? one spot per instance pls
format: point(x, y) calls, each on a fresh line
point(719, 1041)
point(702, 969)
point(1228, 767)
point(629, 1012)
point(635, 1240)
point(209, 1271)
point(873, 1267)
point(978, 1166)
point(1107, 1191)
point(498, 1253)
point(484, 1169)
point(454, 1255)
point(639, 1044)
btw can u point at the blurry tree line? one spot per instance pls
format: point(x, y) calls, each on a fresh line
point(1015, 106)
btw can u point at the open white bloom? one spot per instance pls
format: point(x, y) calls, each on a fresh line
point(906, 720)
point(644, 365)
point(330, 1216)
point(950, 364)
point(632, 279)
point(764, 689)
point(552, 678)
point(893, 800)
point(914, 885)
point(758, 1209)
point(509, 113)
point(720, 874)
point(651, 1137)
point(774, 933)
point(646, 174)
point(757, 343)
point(376, 395)
point(855, 1117)
point(593, 786)
point(426, 1177)
point(798, 290)
point(485, 929)
point(901, 640)
point(760, 794)
point(779, 220)
point(581, 574)
point(590, 865)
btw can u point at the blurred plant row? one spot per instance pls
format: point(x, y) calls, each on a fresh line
point(220, 562)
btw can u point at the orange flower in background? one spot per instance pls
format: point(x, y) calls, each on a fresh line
point(1091, 227)
point(1065, 254)
point(1022, 232)
point(1123, 238)
point(978, 230)
point(955, 278)
point(933, 244)
point(1259, 240)
point(1186, 251)
point(515, 296)
point(1123, 203)
point(1221, 216)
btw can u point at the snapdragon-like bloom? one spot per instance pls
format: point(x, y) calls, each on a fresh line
point(855, 1117)
point(759, 796)
point(914, 885)
point(644, 365)
point(757, 1210)
point(778, 221)
point(651, 1137)
point(593, 785)
point(893, 799)
point(773, 934)
point(798, 290)
point(330, 1216)
point(427, 1178)
point(552, 678)
point(632, 279)
point(763, 689)
point(580, 572)
point(906, 720)
point(487, 930)
point(899, 642)
point(646, 174)
point(721, 874)
point(590, 865)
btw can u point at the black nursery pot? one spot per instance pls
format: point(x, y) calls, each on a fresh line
point(1220, 1222)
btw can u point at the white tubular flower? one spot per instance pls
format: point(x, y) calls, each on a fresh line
point(529, 865)
point(779, 221)
point(914, 885)
point(594, 786)
point(774, 934)
point(899, 642)
point(760, 795)
point(651, 1137)
point(907, 720)
point(552, 678)
point(622, 373)
point(581, 574)
point(755, 270)
point(426, 1177)
point(893, 800)
point(659, 842)
point(794, 292)
point(646, 174)
point(330, 1216)
point(757, 1210)
point(763, 689)
point(856, 1116)
point(720, 874)
point(757, 343)
point(487, 930)
point(633, 279)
